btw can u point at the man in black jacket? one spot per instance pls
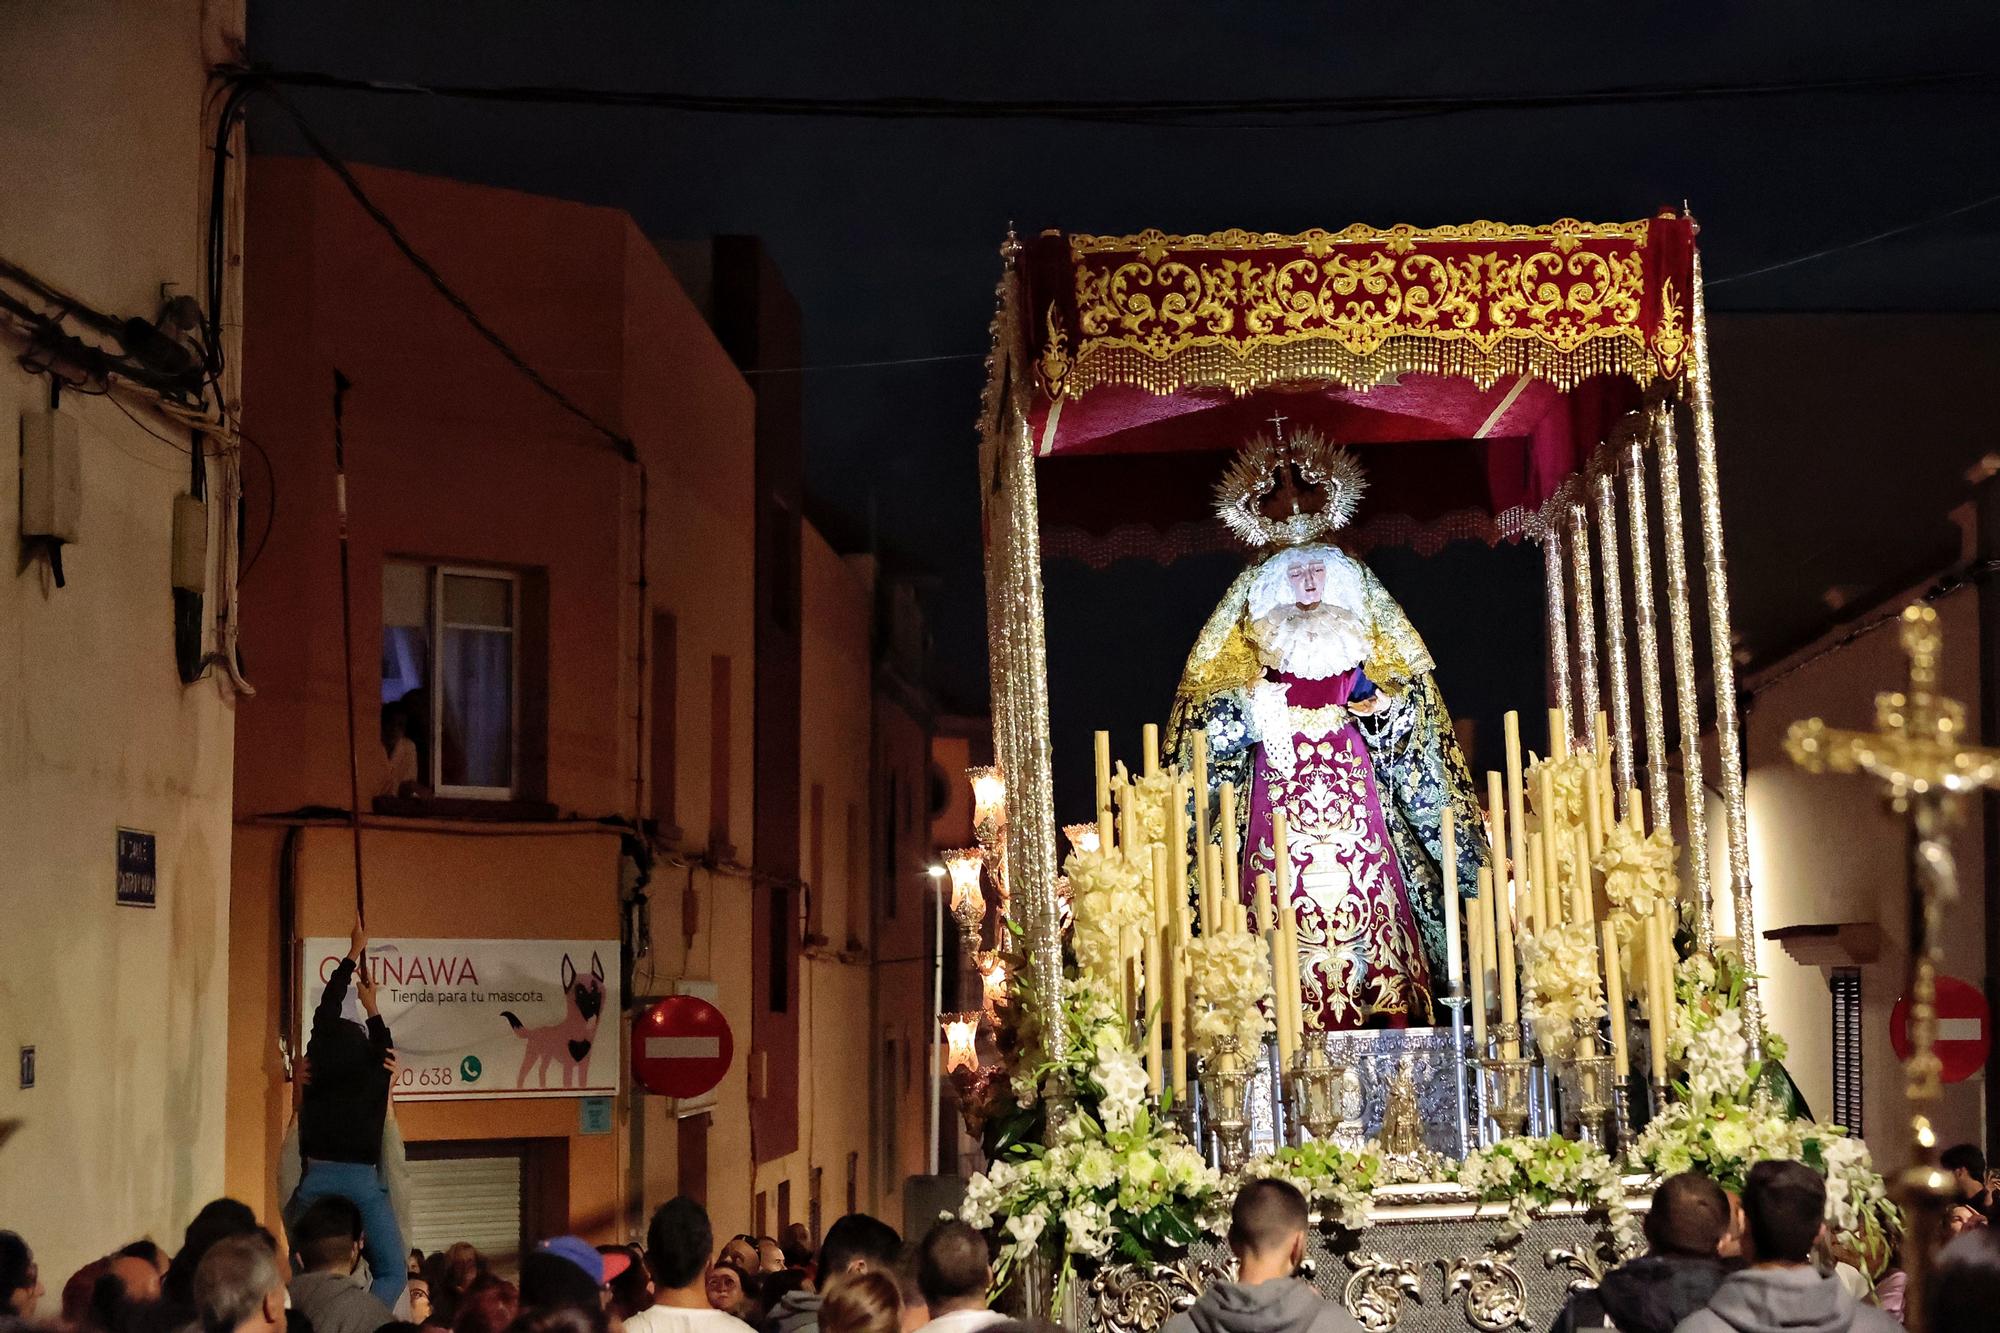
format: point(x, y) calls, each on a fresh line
point(1676, 1275)
point(341, 1114)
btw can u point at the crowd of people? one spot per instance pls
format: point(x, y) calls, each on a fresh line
point(231, 1275)
point(1714, 1264)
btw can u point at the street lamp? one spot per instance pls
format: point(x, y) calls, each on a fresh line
point(968, 899)
point(961, 1037)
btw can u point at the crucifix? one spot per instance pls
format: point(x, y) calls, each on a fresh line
point(1915, 754)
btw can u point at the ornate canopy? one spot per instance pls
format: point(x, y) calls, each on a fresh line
point(1507, 349)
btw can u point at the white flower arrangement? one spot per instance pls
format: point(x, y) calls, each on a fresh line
point(1638, 874)
point(1571, 776)
point(1725, 1121)
point(1136, 1191)
point(1109, 897)
point(1338, 1184)
point(1229, 985)
point(1560, 984)
point(1530, 1174)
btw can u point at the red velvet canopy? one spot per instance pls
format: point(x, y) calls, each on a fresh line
point(1472, 368)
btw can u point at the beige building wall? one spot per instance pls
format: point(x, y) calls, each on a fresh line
point(1824, 850)
point(836, 622)
point(701, 566)
point(103, 170)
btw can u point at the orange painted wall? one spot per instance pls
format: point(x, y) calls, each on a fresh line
point(453, 456)
point(528, 883)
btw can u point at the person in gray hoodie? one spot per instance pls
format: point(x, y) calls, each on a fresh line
point(1784, 1212)
point(1267, 1234)
point(854, 1243)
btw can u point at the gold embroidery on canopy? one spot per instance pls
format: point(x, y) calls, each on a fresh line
point(1671, 341)
point(1356, 307)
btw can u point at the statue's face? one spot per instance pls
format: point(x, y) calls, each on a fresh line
point(1308, 579)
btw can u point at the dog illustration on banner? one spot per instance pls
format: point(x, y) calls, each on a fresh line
point(565, 1044)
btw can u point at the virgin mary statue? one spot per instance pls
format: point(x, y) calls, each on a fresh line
point(1316, 698)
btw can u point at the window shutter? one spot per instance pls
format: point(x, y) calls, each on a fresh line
point(476, 1199)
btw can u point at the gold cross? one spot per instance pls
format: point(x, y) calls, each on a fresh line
point(1914, 750)
point(1915, 753)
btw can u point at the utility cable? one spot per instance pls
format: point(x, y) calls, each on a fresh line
point(1901, 230)
point(618, 441)
point(1170, 111)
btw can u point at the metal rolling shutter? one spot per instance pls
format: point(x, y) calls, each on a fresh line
point(476, 1199)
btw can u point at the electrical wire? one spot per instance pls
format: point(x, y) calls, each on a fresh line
point(1901, 230)
point(1171, 112)
point(618, 441)
point(863, 365)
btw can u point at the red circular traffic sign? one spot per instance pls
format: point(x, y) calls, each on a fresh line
point(1964, 1029)
point(681, 1047)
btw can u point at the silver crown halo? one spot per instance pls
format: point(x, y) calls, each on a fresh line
point(1253, 474)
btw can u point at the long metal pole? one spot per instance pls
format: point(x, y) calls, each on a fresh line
point(1736, 820)
point(1680, 618)
point(341, 384)
point(1643, 619)
point(937, 1020)
point(1604, 500)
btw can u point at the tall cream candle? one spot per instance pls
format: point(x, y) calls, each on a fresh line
point(1657, 1002)
point(1558, 733)
point(1476, 968)
point(1583, 892)
point(1288, 935)
point(1101, 746)
point(1177, 1003)
point(1510, 1026)
point(1517, 818)
point(1155, 991)
point(1149, 742)
point(1452, 946)
point(1614, 999)
point(1177, 844)
point(1267, 916)
point(1229, 885)
point(1199, 780)
point(1553, 825)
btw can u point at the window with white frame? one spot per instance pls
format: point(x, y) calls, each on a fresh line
point(450, 677)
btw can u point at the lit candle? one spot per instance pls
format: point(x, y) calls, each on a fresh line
point(1149, 741)
point(1510, 1027)
point(1451, 942)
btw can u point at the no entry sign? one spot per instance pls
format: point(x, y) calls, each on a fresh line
point(1964, 1029)
point(681, 1047)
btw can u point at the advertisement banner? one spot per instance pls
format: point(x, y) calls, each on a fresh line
point(486, 1018)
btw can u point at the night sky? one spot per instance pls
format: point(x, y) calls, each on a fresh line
point(887, 231)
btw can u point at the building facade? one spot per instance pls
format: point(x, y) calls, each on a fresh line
point(562, 713)
point(114, 767)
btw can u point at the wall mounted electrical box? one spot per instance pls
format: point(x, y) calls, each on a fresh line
point(51, 476)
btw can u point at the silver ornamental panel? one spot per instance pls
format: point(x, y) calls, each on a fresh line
point(1426, 1264)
